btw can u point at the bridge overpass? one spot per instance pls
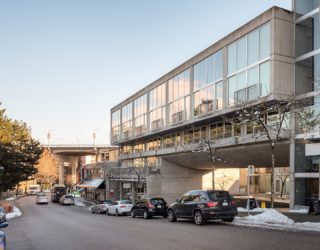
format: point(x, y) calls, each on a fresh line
point(69, 158)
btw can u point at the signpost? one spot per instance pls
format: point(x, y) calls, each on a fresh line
point(250, 173)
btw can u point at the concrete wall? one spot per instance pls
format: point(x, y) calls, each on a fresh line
point(282, 52)
point(173, 181)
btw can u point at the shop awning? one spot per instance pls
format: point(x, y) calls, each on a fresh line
point(91, 183)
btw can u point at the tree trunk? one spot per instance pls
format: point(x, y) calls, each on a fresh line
point(212, 174)
point(272, 176)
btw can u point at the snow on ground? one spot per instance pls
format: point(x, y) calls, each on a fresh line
point(15, 213)
point(255, 210)
point(272, 219)
point(299, 211)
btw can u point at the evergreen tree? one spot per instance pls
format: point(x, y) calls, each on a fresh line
point(19, 152)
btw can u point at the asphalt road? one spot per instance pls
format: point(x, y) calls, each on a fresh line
point(54, 227)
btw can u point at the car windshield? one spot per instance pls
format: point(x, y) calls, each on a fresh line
point(218, 195)
point(157, 202)
point(69, 197)
point(125, 202)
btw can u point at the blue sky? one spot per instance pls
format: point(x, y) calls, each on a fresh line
point(65, 64)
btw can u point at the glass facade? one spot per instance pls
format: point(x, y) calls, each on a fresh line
point(157, 107)
point(140, 115)
point(248, 66)
point(200, 89)
point(307, 74)
point(115, 125)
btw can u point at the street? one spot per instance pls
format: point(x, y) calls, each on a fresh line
point(54, 226)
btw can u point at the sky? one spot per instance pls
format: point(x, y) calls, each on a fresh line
point(65, 64)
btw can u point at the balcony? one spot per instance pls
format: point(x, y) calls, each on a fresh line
point(157, 124)
point(178, 117)
point(248, 94)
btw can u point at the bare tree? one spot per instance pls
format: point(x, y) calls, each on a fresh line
point(271, 117)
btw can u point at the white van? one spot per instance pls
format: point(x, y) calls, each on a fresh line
point(33, 189)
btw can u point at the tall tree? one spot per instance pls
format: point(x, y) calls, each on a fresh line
point(47, 169)
point(19, 152)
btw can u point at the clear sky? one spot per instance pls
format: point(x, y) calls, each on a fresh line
point(65, 63)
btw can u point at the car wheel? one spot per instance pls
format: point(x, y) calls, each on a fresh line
point(145, 214)
point(229, 219)
point(117, 212)
point(171, 216)
point(107, 212)
point(198, 218)
point(133, 214)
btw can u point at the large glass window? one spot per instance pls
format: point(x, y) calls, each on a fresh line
point(249, 84)
point(242, 53)
point(308, 75)
point(264, 41)
point(140, 114)
point(265, 78)
point(253, 47)
point(208, 70)
point(179, 110)
point(158, 97)
point(249, 49)
point(308, 35)
point(115, 125)
point(179, 99)
point(127, 121)
point(303, 7)
point(157, 107)
point(179, 86)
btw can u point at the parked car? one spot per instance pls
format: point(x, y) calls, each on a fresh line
point(121, 207)
point(41, 198)
point(3, 217)
point(150, 207)
point(67, 199)
point(101, 207)
point(3, 237)
point(57, 192)
point(202, 206)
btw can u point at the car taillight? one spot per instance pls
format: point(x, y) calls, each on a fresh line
point(233, 203)
point(212, 204)
point(123, 206)
point(150, 205)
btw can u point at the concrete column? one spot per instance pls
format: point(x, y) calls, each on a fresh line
point(120, 190)
point(133, 193)
point(61, 174)
point(292, 160)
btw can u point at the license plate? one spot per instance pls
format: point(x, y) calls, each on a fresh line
point(159, 207)
point(225, 204)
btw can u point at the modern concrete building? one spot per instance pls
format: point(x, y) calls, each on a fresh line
point(305, 146)
point(271, 58)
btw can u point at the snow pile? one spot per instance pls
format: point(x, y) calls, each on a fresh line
point(299, 211)
point(269, 216)
point(11, 198)
point(272, 219)
point(255, 210)
point(15, 213)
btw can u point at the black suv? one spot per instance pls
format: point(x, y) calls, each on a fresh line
point(150, 207)
point(204, 205)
